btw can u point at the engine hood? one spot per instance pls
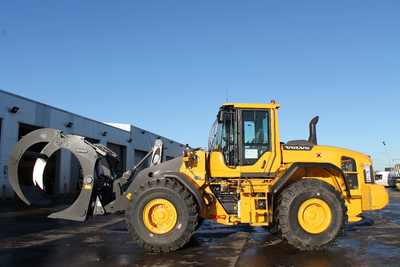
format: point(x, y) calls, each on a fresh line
point(315, 153)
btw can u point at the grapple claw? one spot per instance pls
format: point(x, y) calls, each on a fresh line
point(54, 140)
point(102, 191)
point(30, 194)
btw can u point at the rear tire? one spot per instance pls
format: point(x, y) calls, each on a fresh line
point(311, 214)
point(161, 215)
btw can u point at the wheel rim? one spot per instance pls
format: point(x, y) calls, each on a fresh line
point(314, 216)
point(159, 216)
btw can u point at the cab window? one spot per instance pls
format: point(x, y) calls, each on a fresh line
point(255, 135)
point(228, 142)
point(223, 138)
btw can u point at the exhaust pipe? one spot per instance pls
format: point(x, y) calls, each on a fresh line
point(313, 132)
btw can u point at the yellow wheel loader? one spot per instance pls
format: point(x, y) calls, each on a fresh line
point(305, 192)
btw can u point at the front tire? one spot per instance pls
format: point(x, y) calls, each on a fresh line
point(311, 214)
point(161, 215)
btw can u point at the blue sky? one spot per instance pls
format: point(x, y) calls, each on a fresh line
point(167, 66)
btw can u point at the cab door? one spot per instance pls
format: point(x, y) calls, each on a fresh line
point(223, 145)
point(256, 143)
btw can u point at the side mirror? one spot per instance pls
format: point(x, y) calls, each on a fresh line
point(220, 116)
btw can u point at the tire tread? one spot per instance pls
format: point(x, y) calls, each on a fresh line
point(185, 196)
point(283, 210)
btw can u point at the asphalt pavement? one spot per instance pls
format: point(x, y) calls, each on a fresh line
point(29, 238)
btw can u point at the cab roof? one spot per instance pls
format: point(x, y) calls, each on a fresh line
point(252, 106)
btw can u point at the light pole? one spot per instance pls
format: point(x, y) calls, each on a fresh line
point(387, 154)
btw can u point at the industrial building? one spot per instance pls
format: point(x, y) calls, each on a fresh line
point(19, 116)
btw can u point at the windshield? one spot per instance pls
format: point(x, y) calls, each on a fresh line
point(213, 136)
point(222, 137)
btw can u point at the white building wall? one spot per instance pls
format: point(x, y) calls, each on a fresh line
point(40, 115)
point(9, 125)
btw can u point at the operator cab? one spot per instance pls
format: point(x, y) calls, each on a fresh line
point(242, 141)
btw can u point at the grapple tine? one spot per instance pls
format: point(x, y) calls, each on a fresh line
point(36, 195)
point(87, 157)
point(29, 196)
point(54, 140)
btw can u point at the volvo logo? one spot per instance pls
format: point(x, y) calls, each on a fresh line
point(306, 148)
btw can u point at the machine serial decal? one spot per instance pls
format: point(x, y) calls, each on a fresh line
point(307, 148)
point(367, 173)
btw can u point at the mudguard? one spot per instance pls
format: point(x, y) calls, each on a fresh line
point(279, 185)
point(54, 140)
